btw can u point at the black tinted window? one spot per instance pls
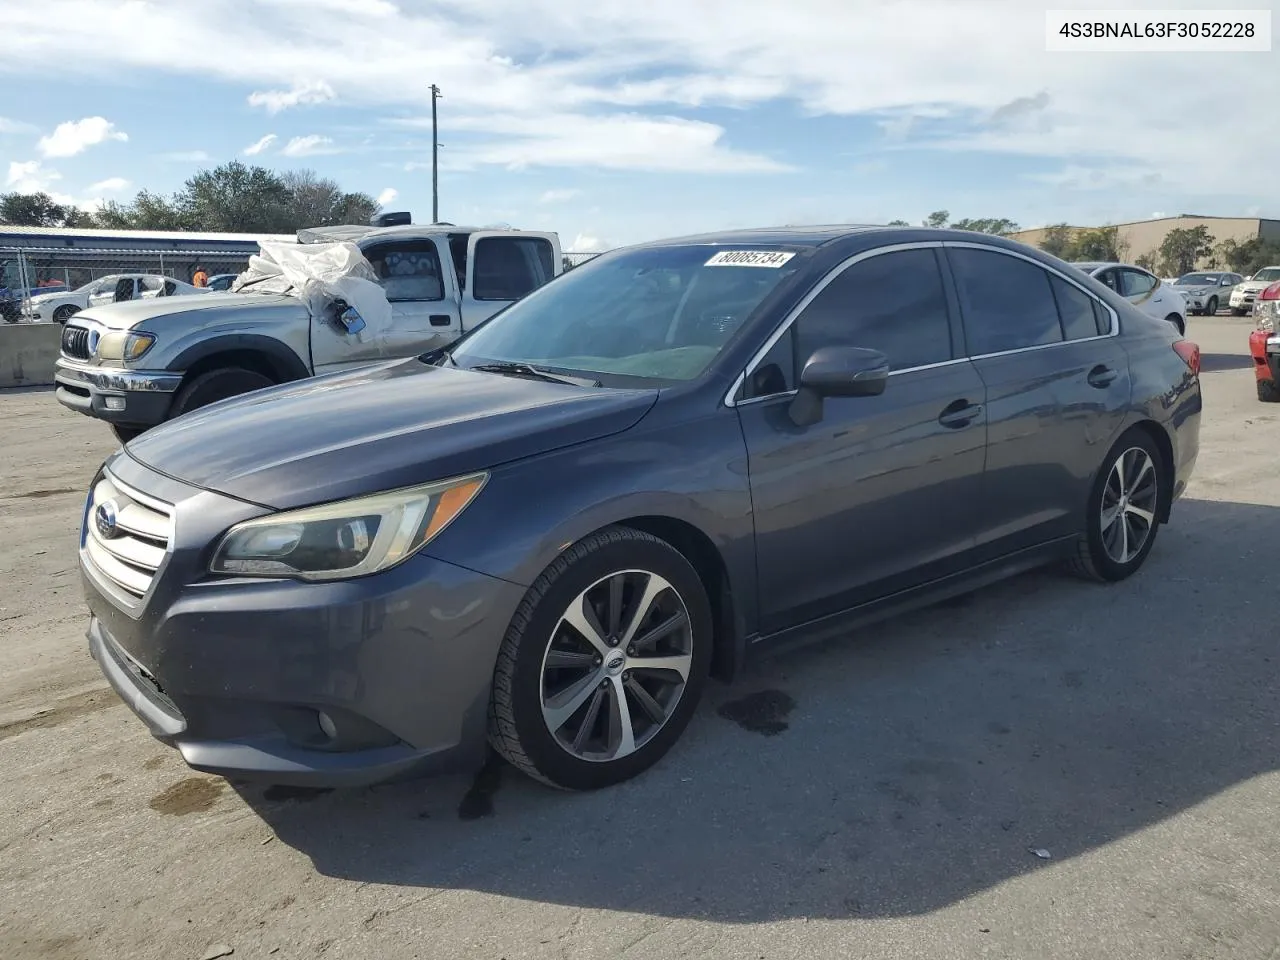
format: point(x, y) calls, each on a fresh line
point(507, 268)
point(776, 372)
point(893, 303)
point(1007, 302)
point(169, 288)
point(1075, 308)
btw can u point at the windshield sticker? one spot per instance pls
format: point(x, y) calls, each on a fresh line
point(749, 258)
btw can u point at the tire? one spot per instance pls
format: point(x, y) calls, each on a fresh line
point(125, 434)
point(217, 385)
point(1268, 391)
point(65, 312)
point(597, 676)
point(1211, 308)
point(1094, 558)
point(1178, 322)
point(1237, 312)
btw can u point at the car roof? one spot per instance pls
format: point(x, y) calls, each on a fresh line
point(816, 235)
point(353, 231)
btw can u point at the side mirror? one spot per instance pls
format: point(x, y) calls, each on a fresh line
point(837, 372)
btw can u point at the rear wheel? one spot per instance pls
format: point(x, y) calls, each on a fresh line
point(1268, 391)
point(603, 663)
point(1122, 516)
point(217, 385)
point(1178, 322)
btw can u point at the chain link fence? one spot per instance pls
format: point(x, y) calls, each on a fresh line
point(27, 272)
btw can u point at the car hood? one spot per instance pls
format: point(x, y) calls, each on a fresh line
point(131, 313)
point(1254, 286)
point(43, 298)
point(1198, 291)
point(378, 428)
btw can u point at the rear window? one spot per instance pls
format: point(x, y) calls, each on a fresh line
point(506, 268)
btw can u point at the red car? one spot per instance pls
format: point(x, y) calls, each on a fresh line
point(1264, 343)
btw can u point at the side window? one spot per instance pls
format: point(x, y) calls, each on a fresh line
point(169, 288)
point(1077, 310)
point(1108, 277)
point(1137, 283)
point(776, 372)
point(507, 268)
point(144, 286)
point(1007, 301)
point(408, 271)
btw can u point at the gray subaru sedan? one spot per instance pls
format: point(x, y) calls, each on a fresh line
point(548, 536)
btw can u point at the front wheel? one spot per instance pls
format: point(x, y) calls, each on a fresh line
point(1268, 391)
point(65, 312)
point(603, 663)
point(1212, 307)
point(1123, 514)
point(217, 385)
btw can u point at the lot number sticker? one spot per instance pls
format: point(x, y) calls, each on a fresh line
point(749, 258)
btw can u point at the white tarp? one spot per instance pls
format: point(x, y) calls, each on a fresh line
point(318, 274)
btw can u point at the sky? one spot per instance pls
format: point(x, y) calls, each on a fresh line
point(619, 121)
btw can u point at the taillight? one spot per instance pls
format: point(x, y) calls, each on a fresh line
point(1271, 293)
point(1190, 354)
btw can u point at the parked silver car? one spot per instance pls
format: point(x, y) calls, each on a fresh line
point(1206, 292)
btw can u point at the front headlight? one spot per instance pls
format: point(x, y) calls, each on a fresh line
point(124, 345)
point(351, 538)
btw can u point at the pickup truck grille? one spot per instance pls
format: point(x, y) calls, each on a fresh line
point(124, 538)
point(75, 342)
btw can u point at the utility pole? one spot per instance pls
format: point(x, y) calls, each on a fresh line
point(435, 149)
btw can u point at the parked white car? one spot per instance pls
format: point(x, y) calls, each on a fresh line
point(116, 288)
point(1243, 297)
point(1142, 288)
point(1206, 292)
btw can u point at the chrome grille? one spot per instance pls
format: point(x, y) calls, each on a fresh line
point(125, 537)
point(75, 342)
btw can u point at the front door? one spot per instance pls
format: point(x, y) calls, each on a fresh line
point(882, 493)
point(417, 278)
point(1057, 389)
point(501, 267)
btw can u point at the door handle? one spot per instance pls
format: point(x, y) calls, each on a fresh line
point(1102, 376)
point(440, 319)
point(960, 414)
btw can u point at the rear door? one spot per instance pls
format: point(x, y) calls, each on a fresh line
point(501, 267)
point(1057, 383)
point(422, 289)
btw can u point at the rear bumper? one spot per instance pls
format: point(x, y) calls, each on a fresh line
point(134, 398)
point(1264, 349)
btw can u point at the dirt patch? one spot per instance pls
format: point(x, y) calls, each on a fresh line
point(66, 709)
point(193, 795)
point(155, 763)
point(764, 711)
point(40, 494)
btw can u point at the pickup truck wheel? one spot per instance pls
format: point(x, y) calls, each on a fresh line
point(217, 385)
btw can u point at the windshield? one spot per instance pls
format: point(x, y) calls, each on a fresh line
point(1198, 279)
point(1270, 275)
point(662, 313)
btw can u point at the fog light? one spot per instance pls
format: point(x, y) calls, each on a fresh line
point(327, 726)
point(114, 403)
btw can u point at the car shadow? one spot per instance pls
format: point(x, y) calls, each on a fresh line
point(1213, 362)
point(920, 763)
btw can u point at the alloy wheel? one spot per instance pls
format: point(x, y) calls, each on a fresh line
point(617, 665)
point(1129, 502)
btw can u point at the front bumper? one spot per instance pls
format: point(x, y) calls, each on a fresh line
point(1243, 301)
point(234, 673)
point(134, 398)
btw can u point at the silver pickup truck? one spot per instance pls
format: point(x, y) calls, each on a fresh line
point(137, 364)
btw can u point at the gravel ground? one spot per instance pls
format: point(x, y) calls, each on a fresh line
point(881, 797)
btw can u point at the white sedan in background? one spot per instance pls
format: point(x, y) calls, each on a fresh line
point(116, 288)
point(1142, 288)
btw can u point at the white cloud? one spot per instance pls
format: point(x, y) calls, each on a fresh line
point(109, 185)
point(76, 136)
point(30, 176)
point(387, 196)
point(587, 243)
point(308, 146)
point(255, 148)
point(313, 91)
point(558, 196)
point(186, 156)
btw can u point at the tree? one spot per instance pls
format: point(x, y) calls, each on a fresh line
point(38, 210)
point(1057, 240)
point(938, 218)
point(1147, 262)
point(999, 226)
point(319, 202)
point(234, 198)
point(1183, 248)
point(1097, 243)
point(1250, 256)
point(899, 223)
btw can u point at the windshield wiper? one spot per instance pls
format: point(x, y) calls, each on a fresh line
point(528, 370)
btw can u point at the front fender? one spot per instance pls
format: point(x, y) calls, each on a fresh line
point(532, 510)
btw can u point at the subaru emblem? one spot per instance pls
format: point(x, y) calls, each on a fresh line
point(104, 519)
